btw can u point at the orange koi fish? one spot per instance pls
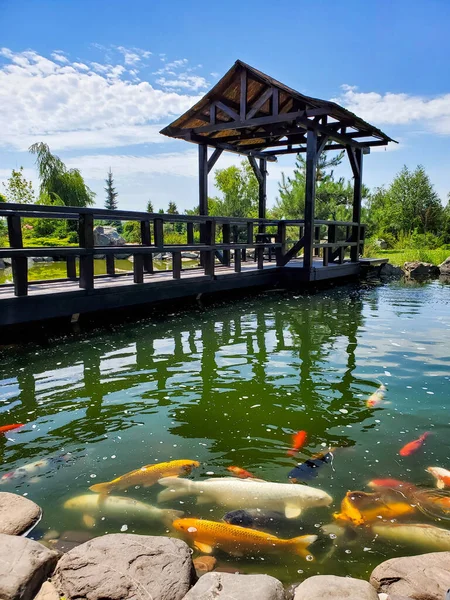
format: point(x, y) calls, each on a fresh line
point(233, 539)
point(442, 476)
point(360, 508)
point(6, 428)
point(393, 484)
point(242, 473)
point(415, 445)
point(376, 398)
point(298, 441)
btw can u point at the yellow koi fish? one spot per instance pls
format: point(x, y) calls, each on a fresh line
point(146, 476)
point(360, 508)
point(207, 535)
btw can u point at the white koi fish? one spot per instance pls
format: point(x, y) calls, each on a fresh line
point(251, 493)
point(428, 537)
point(93, 506)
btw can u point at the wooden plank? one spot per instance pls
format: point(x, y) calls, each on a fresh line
point(110, 267)
point(227, 110)
point(138, 268)
point(293, 251)
point(262, 193)
point(176, 265)
point(259, 103)
point(275, 101)
point(310, 197)
point(146, 240)
point(256, 170)
point(243, 95)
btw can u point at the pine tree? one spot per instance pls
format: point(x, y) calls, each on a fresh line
point(111, 194)
point(150, 207)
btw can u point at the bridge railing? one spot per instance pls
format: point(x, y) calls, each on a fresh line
point(219, 242)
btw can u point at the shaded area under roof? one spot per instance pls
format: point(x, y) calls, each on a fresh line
point(251, 113)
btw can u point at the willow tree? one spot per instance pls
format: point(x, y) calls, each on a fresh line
point(60, 185)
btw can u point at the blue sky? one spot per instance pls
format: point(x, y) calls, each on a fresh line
point(97, 80)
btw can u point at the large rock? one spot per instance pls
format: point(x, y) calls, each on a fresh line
point(382, 244)
point(331, 587)
point(422, 577)
point(24, 566)
point(120, 566)
point(47, 592)
point(390, 273)
point(444, 267)
point(421, 270)
point(17, 514)
point(225, 586)
point(2, 264)
point(107, 236)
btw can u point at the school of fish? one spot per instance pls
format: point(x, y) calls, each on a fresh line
point(258, 508)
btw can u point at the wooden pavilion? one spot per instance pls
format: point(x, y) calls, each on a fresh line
point(250, 113)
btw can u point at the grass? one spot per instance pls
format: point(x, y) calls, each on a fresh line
point(399, 257)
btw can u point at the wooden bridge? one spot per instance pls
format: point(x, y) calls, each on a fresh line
point(233, 254)
point(246, 113)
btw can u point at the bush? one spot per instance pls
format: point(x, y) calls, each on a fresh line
point(132, 232)
point(47, 242)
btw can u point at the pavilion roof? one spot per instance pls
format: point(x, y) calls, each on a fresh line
point(251, 113)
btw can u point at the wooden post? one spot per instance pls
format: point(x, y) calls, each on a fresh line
point(190, 232)
point(86, 233)
point(110, 269)
point(310, 196)
point(71, 267)
point(332, 237)
point(158, 232)
point(249, 239)
point(281, 239)
point(203, 179)
point(317, 239)
point(226, 238)
point(259, 252)
point(210, 240)
point(20, 263)
point(357, 189)
point(146, 240)
point(262, 199)
point(138, 268)
point(237, 260)
point(176, 265)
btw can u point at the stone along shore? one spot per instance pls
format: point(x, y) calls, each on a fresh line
point(124, 566)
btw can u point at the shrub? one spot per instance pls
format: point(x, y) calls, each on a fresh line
point(47, 242)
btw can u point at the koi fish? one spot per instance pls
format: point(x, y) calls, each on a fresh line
point(442, 476)
point(393, 484)
point(5, 428)
point(298, 441)
point(310, 468)
point(427, 537)
point(146, 476)
point(353, 508)
point(257, 519)
point(242, 473)
point(207, 535)
point(33, 470)
point(94, 506)
point(415, 445)
point(377, 397)
point(252, 493)
point(433, 503)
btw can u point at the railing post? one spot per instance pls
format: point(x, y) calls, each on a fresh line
point(86, 234)
point(362, 237)
point(190, 232)
point(259, 252)
point(158, 232)
point(146, 240)
point(332, 237)
point(20, 263)
point(237, 260)
point(281, 239)
point(210, 240)
point(249, 239)
point(176, 265)
point(138, 268)
point(110, 267)
point(71, 267)
point(357, 198)
point(317, 239)
point(226, 238)
point(310, 197)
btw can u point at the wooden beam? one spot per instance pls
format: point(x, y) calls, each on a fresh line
point(259, 103)
point(353, 161)
point(213, 158)
point(293, 251)
point(212, 114)
point(321, 144)
point(275, 101)
point(262, 195)
point(310, 197)
point(243, 95)
point(256, 170)
point(357, 199)
point(203, 179)
point(227, 110)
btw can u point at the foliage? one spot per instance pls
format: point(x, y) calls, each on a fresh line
point(48, 242)
point(150, 207)
point(399, 257)
point(111, 194)
point(3, 234)
point(131, 232)
point(17, 189)
point(58, 183)
point(239, 189)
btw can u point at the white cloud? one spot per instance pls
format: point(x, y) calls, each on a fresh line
point(66, 103)
point(59, 56)
point(399, 109)
point(133, 55)
point(183, 81)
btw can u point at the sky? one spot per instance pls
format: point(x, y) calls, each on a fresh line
point(97, 80)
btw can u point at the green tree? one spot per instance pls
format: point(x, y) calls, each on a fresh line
point(2, 198)
point(172, 209)
point(111, 194)
point(239, 189)
point(17, 189)
point(150, 207)
point(58, 183)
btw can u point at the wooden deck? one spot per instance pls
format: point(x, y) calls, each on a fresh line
point(63, 298)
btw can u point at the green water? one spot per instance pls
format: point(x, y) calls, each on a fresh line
point(228, 386)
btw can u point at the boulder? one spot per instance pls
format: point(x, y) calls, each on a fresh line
point(17, 514)
point(444, 267)
point(47, 592)
point(390, 273)
point(2, 265)
point(204, 564)
point(331, 587)
point(421, 270)
point(225, 586)
point(107, 236)
point(120, 566)
point(421, 577)
point(382, 244)
point(24, 566)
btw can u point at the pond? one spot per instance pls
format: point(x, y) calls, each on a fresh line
point(229, 386)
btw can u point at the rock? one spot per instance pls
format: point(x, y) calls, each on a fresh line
point(204, 564)
point(17, 514)
point(2, 265)
point(421, 270)
point(225, 586)
point(107, 236)
point(422, 577)
point(382, 244)
point(24, 566)
point(7, 261)
point(47, 592)
point(71, 539)
point(390, 273)
point(190, 255)
point(331, 587)
point(120, 566)
point(444, 267)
